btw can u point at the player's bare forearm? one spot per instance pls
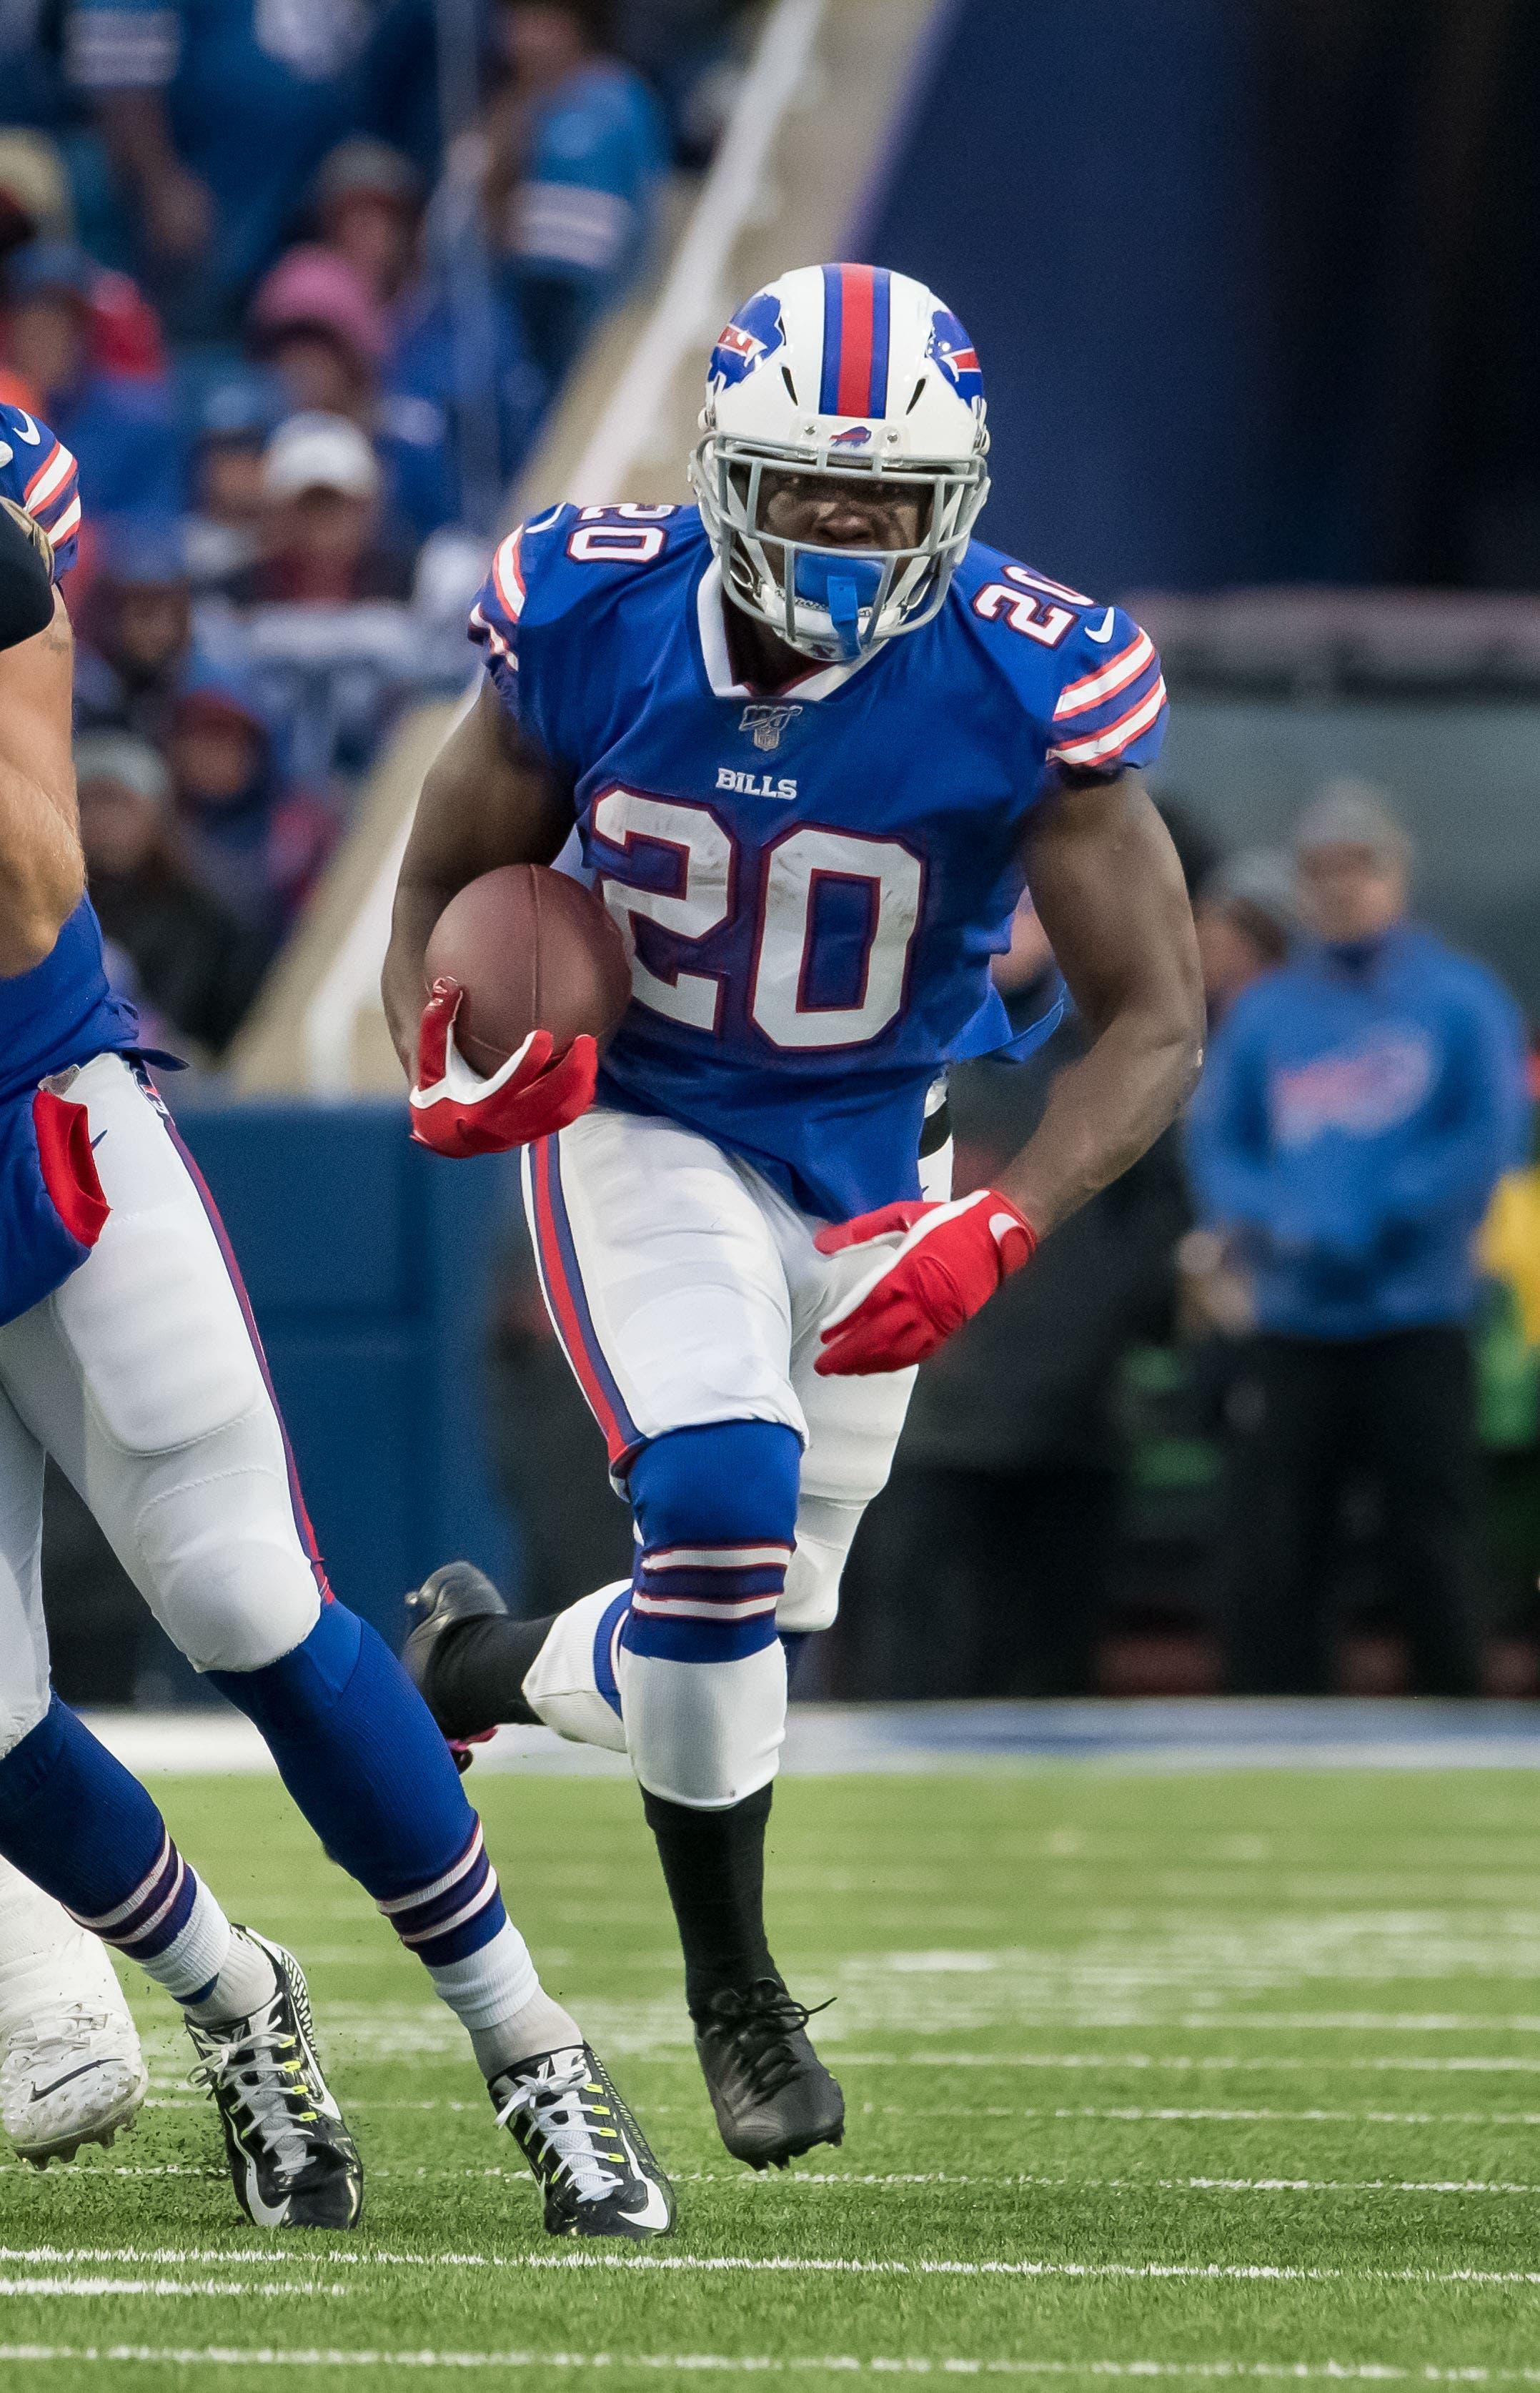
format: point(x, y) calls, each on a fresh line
point(489, 798)
point(41, 871)
point(1110, 895)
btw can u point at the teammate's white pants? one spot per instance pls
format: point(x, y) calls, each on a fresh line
point(46, 1960)
point(142, 1377)
point(685, 1290)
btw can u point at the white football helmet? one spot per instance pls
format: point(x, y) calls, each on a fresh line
point(841, 370)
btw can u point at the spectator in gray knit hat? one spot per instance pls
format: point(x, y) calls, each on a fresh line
point(1358, 1108)
point(1247, 923)
point(1353, 859)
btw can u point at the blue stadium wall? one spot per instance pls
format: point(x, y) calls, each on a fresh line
point(1077, 178)
point(367, 1260)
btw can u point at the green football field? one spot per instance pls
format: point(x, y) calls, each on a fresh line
point(1188, 2078)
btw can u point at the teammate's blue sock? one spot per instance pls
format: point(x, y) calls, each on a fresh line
point(358, 1749)
point(83, 1828)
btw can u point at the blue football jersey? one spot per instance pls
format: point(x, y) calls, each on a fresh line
point(811, 884)
point(62, 1012)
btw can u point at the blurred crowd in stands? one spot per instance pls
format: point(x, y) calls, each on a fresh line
point(1264, 1415)
point(296, 282)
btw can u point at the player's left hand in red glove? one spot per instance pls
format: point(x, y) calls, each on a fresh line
point(935, 1266)
point(458, 1111)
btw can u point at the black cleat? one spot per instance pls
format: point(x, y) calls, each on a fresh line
point(453, 1593)
point(588, 2155)
point(293, 2162)
point(772, 2095)
point(449, 1597)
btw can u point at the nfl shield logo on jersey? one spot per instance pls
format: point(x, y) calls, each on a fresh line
point(767, 724)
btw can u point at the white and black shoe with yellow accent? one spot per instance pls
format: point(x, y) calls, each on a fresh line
point(291, 2160)
point(587, 2152)
point(772, 2095)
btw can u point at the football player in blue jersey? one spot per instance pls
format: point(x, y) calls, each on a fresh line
point(128, 1354)
point(808, 738)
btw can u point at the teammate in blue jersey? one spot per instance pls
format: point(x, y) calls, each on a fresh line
point(128, 1354)
point(807, 739)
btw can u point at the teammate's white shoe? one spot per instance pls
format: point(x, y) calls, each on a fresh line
point(70, 2069)
point(70, 2076)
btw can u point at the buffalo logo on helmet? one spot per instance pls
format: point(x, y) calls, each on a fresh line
point(753, 335)
point(858, 436)
point(956, 357)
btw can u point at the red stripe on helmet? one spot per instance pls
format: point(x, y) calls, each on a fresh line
point(857, 330)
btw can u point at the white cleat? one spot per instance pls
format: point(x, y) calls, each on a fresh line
point(72, 2075)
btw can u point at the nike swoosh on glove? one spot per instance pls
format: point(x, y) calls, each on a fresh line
point(937, 1265)
point(457, 1111)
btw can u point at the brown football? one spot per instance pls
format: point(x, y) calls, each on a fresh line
point(532, 950)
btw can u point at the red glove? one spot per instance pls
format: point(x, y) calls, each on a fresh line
point(457, 1111)
point(940, 1264)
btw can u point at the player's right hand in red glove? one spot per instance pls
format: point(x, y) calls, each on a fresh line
point(457, 1111)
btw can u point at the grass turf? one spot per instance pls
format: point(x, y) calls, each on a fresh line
point(1231, 2076)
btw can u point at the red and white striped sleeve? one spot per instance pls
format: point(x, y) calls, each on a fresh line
point(1110, 712)
point(38, 473)
point(495, 616)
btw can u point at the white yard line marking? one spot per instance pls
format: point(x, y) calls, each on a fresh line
point(123, 2168)
point(518, 2180)
point(87, 2288)
point(1195, 2063)
point(744, 2264)
point(1114, 2113)
point(1332, 2372)
point(1131, 2184)
point(1371, 2023)
point(1161, 2117)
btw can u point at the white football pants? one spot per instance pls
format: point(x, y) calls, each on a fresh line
point(686, 1289)
point(141, 1376)
point(47, 1962)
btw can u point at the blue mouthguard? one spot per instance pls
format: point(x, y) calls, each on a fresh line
point(843, 584)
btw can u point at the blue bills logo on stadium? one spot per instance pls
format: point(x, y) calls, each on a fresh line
point(956, 357)
point(755, 333)
point(768, 723)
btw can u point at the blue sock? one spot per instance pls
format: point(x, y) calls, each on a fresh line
point(716, 1517)
point(84, 1829)
point(358, 1750)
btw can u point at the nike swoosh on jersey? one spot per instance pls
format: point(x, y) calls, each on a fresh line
point(31, 435)
point(40, 2093)
point(1103, 634)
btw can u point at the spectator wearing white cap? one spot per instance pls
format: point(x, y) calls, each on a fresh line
point(334, 644)
point(1360, 1104)
point(321, 536)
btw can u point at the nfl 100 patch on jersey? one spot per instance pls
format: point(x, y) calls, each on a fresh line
point(811, 884)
